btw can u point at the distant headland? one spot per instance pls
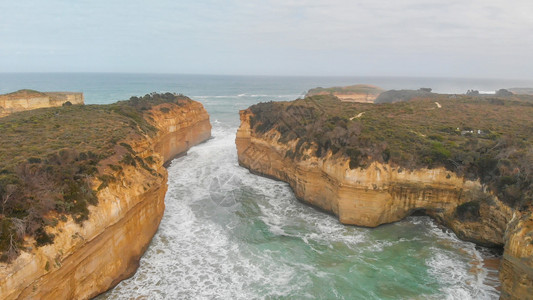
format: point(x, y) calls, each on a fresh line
point(363, 93)
point(29, 99)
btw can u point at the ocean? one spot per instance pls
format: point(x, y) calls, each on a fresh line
point(229, 234)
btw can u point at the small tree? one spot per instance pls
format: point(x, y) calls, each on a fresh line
point(8, 195)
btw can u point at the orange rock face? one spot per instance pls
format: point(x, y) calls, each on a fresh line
point(87, 260)
point(383, 193)
point(516, 270)
point(27, 100)
point(362, 93)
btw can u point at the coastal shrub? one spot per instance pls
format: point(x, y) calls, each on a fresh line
point(42, 238)
point(354, 155)
point(116, 168)
point(50, 157)
point(386, 155)
point(128, 147)
point(439, 153)
point(143, 165)
point(128, 159)
point(34, 160)
point(150, 160)
point(105, 180)
point(10, 240)
point(468, 211)
point(402, 95)
point(485, 138)
point(436, 137)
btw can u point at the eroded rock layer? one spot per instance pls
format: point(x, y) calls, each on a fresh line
point(27, 99)
point(87, 260)
point(383, 193)
point(362, 93)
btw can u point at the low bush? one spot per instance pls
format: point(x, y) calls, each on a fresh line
point(486, 138)
point(49, 157)
point(468, 211)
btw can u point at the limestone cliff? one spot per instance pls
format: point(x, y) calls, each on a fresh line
point(86, 260)
point(362, 93)
point(27, 99)
point(383, 193)
point(516, 269)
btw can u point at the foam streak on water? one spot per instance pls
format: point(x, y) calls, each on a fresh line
point(228, 234)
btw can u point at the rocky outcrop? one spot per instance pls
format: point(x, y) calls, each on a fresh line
point(361, 98)
point(383, 193)
point(516, 269)
point(178, 131)
point(87, 260)
point(27, 99)
point(362, 93)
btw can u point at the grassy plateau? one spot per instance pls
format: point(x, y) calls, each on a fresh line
point(50, 158)
point(479, 137)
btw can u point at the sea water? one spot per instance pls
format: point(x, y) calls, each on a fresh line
point(229, 234)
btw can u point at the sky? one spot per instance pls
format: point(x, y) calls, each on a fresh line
point(438, 38)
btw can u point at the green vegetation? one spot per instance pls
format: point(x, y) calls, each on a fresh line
point(403, 95)
point(49, 157)
point(21, 94)
point(489, 138)
point(468, 211)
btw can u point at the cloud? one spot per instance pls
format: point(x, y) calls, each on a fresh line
point(306, 37)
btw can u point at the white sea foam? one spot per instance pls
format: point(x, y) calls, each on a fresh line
point(200, 251)
point(462, 276)
point(208, 97)
point(192, 256)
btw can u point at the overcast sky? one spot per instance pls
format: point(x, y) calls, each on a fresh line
point(454, 38)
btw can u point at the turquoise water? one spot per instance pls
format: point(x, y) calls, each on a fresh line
point(228, 234)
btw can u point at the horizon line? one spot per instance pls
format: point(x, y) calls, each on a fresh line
point(268, 75)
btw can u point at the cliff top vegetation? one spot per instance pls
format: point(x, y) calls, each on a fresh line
point(352, 89)
point(489, 138)
point(49, 158)
point(403, 95)
point(22, 94)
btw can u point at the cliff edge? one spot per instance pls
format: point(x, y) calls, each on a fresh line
point(29, 99)
point(363, 93)
point(391, 160)
point(77, 255)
